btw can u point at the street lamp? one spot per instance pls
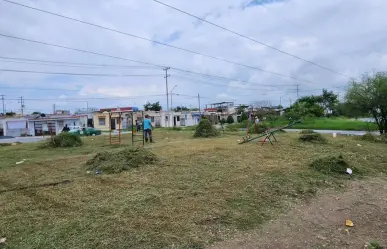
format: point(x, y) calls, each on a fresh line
point(172, 95)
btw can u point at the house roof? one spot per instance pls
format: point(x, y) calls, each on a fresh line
point(118, 109)
point(59, 117)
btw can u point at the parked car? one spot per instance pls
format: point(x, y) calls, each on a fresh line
point(89, 131)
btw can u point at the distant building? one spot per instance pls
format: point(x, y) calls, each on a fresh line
point(62, 112)
point(113, 118)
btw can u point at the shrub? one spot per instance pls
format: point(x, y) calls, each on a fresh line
point(331, 165)
point(205, 129)
point(231, 127)
point(222, 121)
point(63, 140)
point(312, 137)
point(258, 128)
point(230, 119)
point(120, 160)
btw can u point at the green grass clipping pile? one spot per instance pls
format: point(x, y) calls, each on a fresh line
point(311, 136)
point(63, 140)
point(205, 129)
point(116, 161)
point(332, 165)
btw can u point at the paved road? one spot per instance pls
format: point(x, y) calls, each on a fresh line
point(352, 133)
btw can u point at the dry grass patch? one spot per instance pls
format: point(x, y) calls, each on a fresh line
point(199, 192)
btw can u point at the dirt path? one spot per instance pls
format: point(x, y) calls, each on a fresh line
point(321, 223)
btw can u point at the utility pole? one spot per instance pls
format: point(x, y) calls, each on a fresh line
point(166, 87)
point(199, 101)
point(2, 99)
point(21, 101)
point(53, 109)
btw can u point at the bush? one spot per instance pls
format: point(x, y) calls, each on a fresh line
point(312, 137)
point(230, 119)
point(331, 165)
point(205, 129)
point(63, 140)
point(258, 128)
point(222, 121)
point(231, 128)
point(120, 160)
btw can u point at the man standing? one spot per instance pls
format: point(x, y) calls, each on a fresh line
point(148, 128)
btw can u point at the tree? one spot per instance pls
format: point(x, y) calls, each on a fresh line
point(329, 101)
point(152, 106)
point(10, 114)
point(194, 109)
point(35, 113)
point(181, 108)
point(230, 119)
point(369, 95)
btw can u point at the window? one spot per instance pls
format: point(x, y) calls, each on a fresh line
point(178, 118)
point(102, 121)
point(152, 119)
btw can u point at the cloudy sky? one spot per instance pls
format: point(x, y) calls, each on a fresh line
point(346, 36)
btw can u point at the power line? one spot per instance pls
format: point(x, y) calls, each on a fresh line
point(248, 38)
point(90, 98)
point(157, 42)
point(81, 74)
point(38, 89)
point(117, 57)
point(72, 64)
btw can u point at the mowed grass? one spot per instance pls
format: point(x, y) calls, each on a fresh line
point(200, 191)
point(330, 124)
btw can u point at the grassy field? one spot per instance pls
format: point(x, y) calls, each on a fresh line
point(330, 124)
point(200, 191)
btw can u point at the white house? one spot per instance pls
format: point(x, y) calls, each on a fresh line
point(172, 119)
point(53, 125)
point(14, 127)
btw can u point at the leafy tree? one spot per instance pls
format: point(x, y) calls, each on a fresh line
point(35, 113)
point(152, 106)
point(222, 121)
point(194, 109)
point(369, 95)
point(230, 119)
point(329, 101)
point(10, 114)
point(181, 108)
point(244, 116)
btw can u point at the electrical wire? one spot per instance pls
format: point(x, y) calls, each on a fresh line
point(158, 42)
point(248, 38)
point(119, 58)
point(82, 74)
point(66, 63)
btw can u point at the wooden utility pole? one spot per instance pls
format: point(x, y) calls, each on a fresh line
point(2, 99)
point(21, 101)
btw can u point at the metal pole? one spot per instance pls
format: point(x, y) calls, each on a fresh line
point(199, 101)
point(2, 99)
point(166, 87)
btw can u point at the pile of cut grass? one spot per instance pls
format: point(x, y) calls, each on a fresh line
point(332, 165)
point(311, 136)
point(63, 140)
point(119, 160)
point(205, 129)
point(369, 137)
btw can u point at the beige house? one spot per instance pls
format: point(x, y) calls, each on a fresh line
point(113, 119)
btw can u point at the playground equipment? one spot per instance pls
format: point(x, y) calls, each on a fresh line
point(114, 137)
point(135, 116)
point(268, 134)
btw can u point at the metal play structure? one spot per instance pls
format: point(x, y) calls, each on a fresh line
point(268, 135)
point(136, 137)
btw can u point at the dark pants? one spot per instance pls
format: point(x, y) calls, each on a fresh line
point(148, 132)
point(138, 128)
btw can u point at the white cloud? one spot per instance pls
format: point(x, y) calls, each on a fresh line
point(347, 36)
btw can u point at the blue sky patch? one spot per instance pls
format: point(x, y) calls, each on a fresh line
point(262, 2)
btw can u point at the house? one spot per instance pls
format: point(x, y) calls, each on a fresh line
point(113, 118)
point(14, 126)
point(53, 124)
point(172, 119)
point(217, 111)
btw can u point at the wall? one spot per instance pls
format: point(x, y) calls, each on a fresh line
point(15, 132)
point(125, 116)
